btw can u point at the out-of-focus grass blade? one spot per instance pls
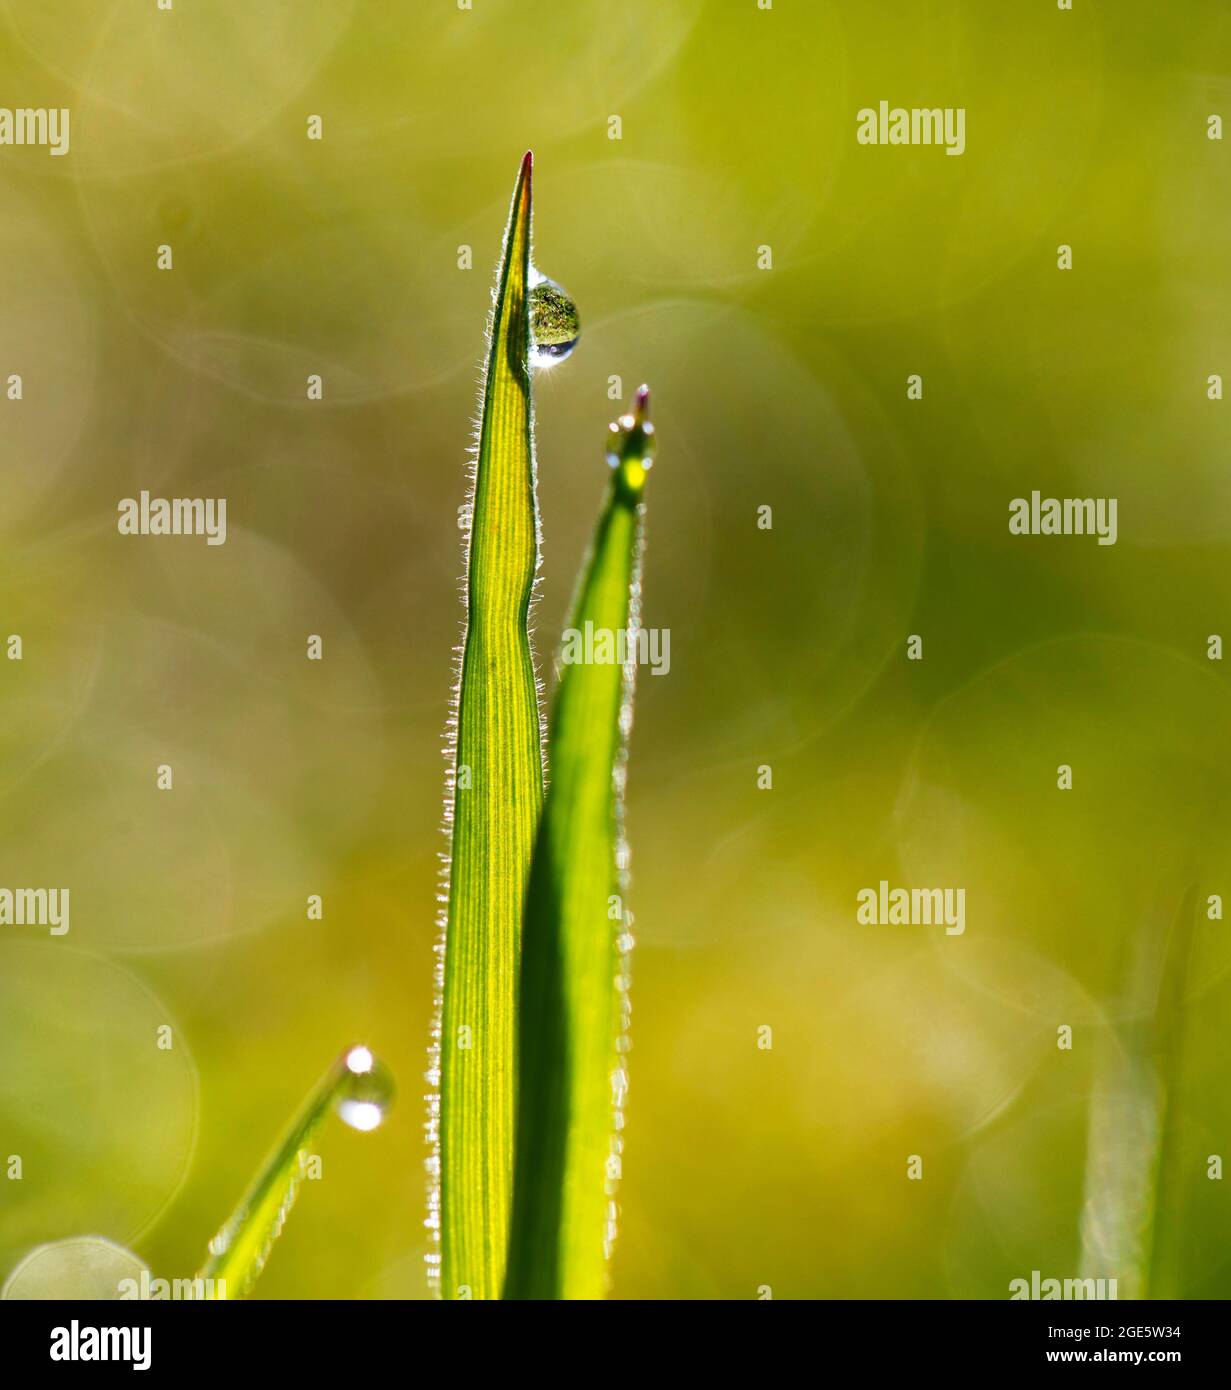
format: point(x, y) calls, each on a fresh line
point(1132, 1197)
point(495, 797)
point(572, 1006)
point(360, 1089)
point(1122, 1150)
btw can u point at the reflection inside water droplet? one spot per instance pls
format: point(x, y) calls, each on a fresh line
point(555, 324)
point(366, 1092)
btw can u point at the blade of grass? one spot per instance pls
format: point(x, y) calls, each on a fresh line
point(493, 800)
point(361, 1090)
point(572, 1005)
point(1171, 1017)
point(1133, 1191)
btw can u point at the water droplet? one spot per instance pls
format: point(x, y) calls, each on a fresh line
point(366, 1092)
point(630, 443)
point(555, 324)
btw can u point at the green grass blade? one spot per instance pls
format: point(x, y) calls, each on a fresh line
point(360, 1089)
point(495, 798)
point(572, 1008)
point(1169, 1047)
point(1133, 1197)
point(1122, 1154)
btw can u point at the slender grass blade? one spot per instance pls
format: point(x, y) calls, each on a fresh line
point(573, 1003)
point(360, 1089)
point(494, 798)
point(1134, 1192)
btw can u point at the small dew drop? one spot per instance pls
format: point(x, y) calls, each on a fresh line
point(366, 1092)
point(630, 443)
point(555, 324)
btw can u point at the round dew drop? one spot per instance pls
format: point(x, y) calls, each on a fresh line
point(366, 1092)
point(630, 444)
point(555, 324)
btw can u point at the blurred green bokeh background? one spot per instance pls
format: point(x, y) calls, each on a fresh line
point(782, 387)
